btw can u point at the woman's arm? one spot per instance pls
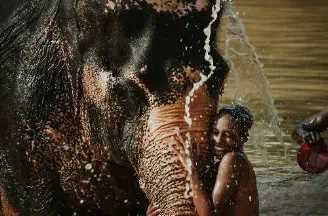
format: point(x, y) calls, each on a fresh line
point(227, 182)
point(200, 198)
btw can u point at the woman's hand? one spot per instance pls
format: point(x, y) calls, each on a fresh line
point(153, 210)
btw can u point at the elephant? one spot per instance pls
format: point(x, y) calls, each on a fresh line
point(93, 94)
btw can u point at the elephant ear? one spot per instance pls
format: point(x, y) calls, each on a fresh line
point(19, 22)
point(32, 55)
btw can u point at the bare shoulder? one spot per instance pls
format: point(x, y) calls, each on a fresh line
point(235, 158)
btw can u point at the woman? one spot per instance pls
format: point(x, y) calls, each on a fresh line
point(235, 191)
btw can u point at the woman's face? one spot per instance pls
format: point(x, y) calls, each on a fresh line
point(225, 134)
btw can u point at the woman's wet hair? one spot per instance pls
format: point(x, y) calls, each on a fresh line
point(240, 114)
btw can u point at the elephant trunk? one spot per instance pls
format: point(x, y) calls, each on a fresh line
point(162, 176)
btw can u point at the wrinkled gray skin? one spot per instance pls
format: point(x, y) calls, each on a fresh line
point(92, 92)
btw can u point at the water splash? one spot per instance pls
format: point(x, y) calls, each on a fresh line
point(244, 65)
point(203, 78)
point(187, 146)
point(249, 83)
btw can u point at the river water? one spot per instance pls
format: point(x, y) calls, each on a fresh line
point(291, 40)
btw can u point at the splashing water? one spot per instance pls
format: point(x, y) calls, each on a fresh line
point(215, 10)
point(203, 78)
point(244, 65)
point(188, 165)
point(249, 83)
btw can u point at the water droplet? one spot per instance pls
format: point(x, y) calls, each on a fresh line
point(88, 166)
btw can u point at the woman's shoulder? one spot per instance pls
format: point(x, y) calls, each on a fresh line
point(234, 157)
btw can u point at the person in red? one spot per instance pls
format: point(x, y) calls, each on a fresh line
point(235, 191)
point(313, 153)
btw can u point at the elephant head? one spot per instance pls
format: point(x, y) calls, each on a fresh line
point(98, 91)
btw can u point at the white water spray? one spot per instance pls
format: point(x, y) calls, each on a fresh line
point(250, 85)
point(203, 78)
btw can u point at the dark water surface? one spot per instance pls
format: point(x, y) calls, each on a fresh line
point(291, 40)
